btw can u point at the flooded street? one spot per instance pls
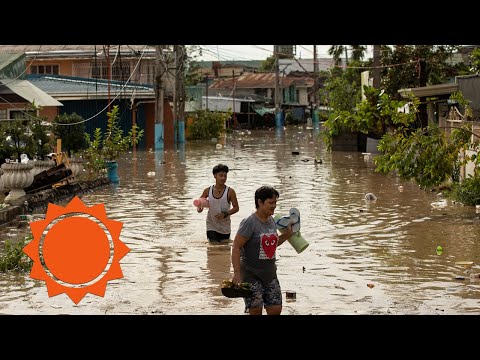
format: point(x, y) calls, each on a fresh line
point(363, 258)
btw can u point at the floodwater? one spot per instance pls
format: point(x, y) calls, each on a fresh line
point(364, 257)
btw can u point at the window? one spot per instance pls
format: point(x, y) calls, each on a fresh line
point(119, 71)
point(3, 115)
point(44, 69)
point(21, 114)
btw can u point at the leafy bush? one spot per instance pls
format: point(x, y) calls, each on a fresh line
point(208, 124)
point(101, 149)
point(467, 192)
point(13, 257)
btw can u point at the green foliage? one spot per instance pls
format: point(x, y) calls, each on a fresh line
point(458, 96)
point(95, 163)
point(73, 139)
point(26, 135)
point(340, 93)
point(20, 141)
point(425, 155)
point(42, 142)
point(109, 148)
point(13, 257)
point(475, 60)
point(193, 75)
point(115, 142)
point(208, 124)
point(416, 66)
point(372, 116)
point(268, 64)
point(467, 192)
point(422, 155)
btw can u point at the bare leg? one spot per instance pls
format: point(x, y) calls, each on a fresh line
point(255, 311)
point(274, 310)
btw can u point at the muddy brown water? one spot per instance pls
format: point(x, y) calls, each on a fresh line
point(364, 257)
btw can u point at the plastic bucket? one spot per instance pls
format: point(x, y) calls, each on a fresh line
point(298, 242)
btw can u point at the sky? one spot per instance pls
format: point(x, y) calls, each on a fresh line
point(259, 52)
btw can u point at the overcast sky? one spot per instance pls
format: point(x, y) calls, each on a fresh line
point(259, 52)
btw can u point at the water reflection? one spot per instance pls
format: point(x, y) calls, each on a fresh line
point(172, 269)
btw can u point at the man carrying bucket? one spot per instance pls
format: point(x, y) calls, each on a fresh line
point(253, 254)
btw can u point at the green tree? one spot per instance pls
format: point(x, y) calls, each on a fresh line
point(373, 116)
point(70, 128)
point(429, 157)
point(268, 65)
point(17, 139)
point(409, 66)
point(41, 139)
point(193, 73)
point(475, 61)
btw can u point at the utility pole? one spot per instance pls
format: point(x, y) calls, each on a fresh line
point(175, 89)
point(206, 91)
point(315, 85)
point(159, 71)
point(376, 67)
point(233, 97)
point(180, 55)
point(109, 73)
point(278, 120)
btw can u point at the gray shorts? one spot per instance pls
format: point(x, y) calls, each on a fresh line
point(264, 295)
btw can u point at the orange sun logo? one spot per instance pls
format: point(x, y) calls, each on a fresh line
point(75, 256)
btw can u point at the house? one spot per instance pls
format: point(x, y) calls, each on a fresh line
point(89, 98)
point(440, 108)
point(261, 88)
point(17, 94)
point(134, 63)
point(287, 66)
point(88, 76)
point(221, 69)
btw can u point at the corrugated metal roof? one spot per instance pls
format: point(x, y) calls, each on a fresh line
point(433, 90)
point(67, 87)
point(231, 63)
point(252, 81)
point(59, 48)
point(7, 59)
point(30, 92)
point(262, 80)
point(75, 51)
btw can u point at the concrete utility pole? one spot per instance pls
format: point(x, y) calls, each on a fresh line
point(315, 85)
point(179, 93)
point(206, 91)
point(376, 67)
point(278, 119)
point(159, 71)
point(109, 73)
point(315, 76)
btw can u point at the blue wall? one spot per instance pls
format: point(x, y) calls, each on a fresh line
point(88, 108)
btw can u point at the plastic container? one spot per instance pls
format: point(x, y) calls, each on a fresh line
point(297, 241)
point(201, 203)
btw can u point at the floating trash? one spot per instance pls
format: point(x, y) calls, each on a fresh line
point(464, 263)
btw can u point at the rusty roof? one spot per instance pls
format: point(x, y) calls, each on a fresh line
point(262, 80)
point(251, 81)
